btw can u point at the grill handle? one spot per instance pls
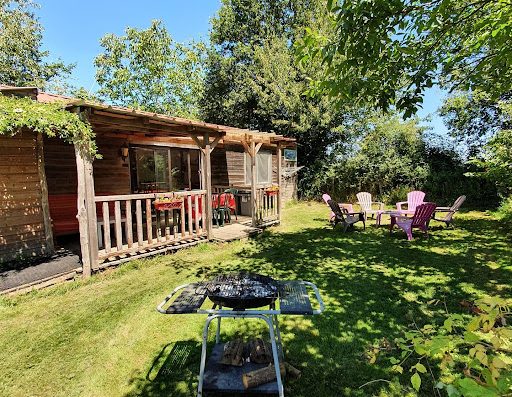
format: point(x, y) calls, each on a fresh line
point(160, 307)
point(318, 297)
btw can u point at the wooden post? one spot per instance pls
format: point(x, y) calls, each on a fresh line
point(208, 180)
point(254, 208)
point(45, 207)
point(86, 211)
point(279, 165)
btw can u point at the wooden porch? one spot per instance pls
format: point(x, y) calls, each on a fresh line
point(117, 228)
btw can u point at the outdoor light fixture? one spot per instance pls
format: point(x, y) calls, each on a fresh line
point(124, 151)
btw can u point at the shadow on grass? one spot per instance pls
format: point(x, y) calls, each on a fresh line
point(172, 373)
point(373, 285)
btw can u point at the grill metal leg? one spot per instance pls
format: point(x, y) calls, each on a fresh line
point(275, 354)
point(217, 335)
point(278, 334)
point(203, 355)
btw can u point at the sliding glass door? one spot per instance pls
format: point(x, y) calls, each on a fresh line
point(160, 169)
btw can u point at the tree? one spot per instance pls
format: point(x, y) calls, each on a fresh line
point(391, 154)
point(147, 69)
point(22, 61)
point(473, 119)
point(386, 53)
point(496, 158)
point(254, 82)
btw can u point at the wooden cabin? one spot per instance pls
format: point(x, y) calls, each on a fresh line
point(50, 189)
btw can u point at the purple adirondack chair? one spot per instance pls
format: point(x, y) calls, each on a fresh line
point(414, 199)
point(422, 215)
point(347, 208)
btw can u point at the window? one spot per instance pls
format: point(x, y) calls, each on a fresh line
point(263, 168)
point(150, 169)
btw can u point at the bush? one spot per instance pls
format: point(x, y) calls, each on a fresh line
point(504, 212)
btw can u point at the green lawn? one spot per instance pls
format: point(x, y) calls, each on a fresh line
point(103, 337)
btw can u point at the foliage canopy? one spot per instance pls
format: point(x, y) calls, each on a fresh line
point(17, 114)
point(386, 53)
point(147, 69)
point(22, 61)
point(253, 81)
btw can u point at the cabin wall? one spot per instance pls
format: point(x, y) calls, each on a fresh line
point(228, 169)
point(22, 222)
point(111, 176)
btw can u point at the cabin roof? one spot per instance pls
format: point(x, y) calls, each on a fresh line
point(125, 115)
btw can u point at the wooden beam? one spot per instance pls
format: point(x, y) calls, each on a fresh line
point(254, 209)
point(82, 215)
point(189, 173)
point(208, 180)
point(198, 142)
point(279, 166)
point(45, 207)
point(246, 147)
point(215, 142)
point(257, 148)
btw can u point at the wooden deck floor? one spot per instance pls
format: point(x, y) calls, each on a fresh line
point(234, 231)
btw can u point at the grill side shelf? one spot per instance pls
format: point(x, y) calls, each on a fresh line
point(188, 301)
point(294, 298)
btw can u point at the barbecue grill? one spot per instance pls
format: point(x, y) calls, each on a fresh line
point(241, 295)
point(241, 290)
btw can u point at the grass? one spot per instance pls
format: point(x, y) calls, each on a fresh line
point(103, 337)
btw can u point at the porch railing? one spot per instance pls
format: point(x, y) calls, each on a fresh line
point(266, 205)
point(130, 223)
point(266, 201)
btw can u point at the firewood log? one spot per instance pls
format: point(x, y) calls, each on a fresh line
point(291, 371)
point(260, 351)
point(233, 353)
point(261, 376)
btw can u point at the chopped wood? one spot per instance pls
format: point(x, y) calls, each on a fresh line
point(233, 353)
point(261, 376)
point(291, 371)
point(260, 352)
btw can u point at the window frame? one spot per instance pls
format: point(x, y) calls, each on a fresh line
point(247, 162)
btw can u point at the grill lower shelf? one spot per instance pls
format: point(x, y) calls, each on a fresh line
point(228, 379)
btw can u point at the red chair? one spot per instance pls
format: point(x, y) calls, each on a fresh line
point(420, 220)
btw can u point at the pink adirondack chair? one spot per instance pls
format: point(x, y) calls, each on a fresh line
point(414, 199)
point(422, 215)
point(347, 208)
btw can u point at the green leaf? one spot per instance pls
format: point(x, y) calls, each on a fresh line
point(474, 324)
point(421, 368)
point(470, 388)
point(416, 381)
point(471, 337)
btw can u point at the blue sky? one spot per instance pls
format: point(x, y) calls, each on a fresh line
point(72, 31)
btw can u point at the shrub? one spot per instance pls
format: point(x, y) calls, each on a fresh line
point(504, 212)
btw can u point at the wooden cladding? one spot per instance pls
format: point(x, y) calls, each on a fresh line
point(130, 223)
point(111, 172)
point(24, 222)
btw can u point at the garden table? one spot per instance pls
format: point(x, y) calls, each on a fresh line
point(391, 213)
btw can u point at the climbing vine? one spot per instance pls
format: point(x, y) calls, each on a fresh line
point(17, 114)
